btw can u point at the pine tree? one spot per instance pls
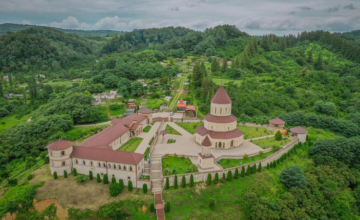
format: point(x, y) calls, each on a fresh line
point(310, 57)
point(75, 172)
point(10, 80)
point(167, 183)
point(319, 63)
point(223, 179)
point(90, 175)
point(242, 174)
point(208, 180)
point(283, 44)
point(98, 179)
point(175, 182)
point(145, 188)
point(121, 184)
point(214, 65)
point(65, 174)
point(254, 42)
point(130, 186)
point(229, 176)
point(203, 70)
point(248, 170)
point(254, 169)
point(113, 180)
point(1, 88)
point(167, 207)
point(183, 182)
point(152, 207)
point(274, 164)
point(224, 66)
point(259, 168)
point(267, 166)
point(55, 175)
point(105, 179)
point(236, 175)
point(216, 178)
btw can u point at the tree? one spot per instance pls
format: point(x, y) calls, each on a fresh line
point(55, 175)
point(254, 169)
point(130, 186)
point(98, 179)
point(152, 207)
point(283, 44)
point(167, 207)
point(167, 184)
point(216, 179)
point(74, 171)
point(293, 177)
point(259, 168)
point(248, 170)
point(267, 166)
point(212, 203)
point(310, 57)
point(90, 175)
point(10, 80)
point(105, 179)
point(242, 174)
point(65, 174)
point(175, 182)
point(183, 182)
point(1, 88)
point(224, 66)
point(145, 188)
point(319, 62)
point(121, 184)
point(223, 179)
point(236, 175)
point(229, 176)
point(214, 65)
point(278, 136)
point(111, 81)
point(114, 189)
point(208, 180)
point(113, 180)
point(191, 180)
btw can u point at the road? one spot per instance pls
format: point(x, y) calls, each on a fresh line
point(176, 98)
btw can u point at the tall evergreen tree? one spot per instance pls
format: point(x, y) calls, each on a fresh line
point(259, 168)
point(183, 182)
point(197, 75)
point(242, 174)
point(191, 180)
point(319, 62)
point(175, 182)
point(167, 184)
point(203, 70)
point(10, 80)
point(214, 65)
point(216, 178)
point(1, 88)
point(208, 180)
point(229, 176)
point(224, 66)
point(223, 179)
point(248, 170)
point(236, 174)
point(310, 57)
point(283, 43)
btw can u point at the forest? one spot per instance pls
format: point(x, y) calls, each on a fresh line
point(311, 79)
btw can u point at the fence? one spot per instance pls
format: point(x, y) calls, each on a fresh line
point(242, 155)
point(140, 183)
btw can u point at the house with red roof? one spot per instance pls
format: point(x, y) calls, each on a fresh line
point(276, 123)
point(300, 133)
point(181, 105)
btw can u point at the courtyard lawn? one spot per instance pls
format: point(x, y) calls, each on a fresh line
point(227, 163)
point(147, 129)
point(224, 81)
point(171, 130)
point(81, 133)
point(270, 142)
point(180, 165)
point(254, 132)
point(131, 145)
point(189, 126)
point(12, 120)
point(147, 151)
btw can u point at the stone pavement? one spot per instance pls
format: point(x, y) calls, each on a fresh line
point(146, 138)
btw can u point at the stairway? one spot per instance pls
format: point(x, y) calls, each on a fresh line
point(147, 169)
point(156, 173)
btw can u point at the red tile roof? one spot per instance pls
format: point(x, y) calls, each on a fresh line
point(220, 119)
point(106, 155)
point(221, 97)
point(201, 130)
point(299, 130)
point(206, 142)
point(190, 107)
point(136, 117)
point(60, 145)
point(276, 121)
point(134, 126)
point(145, 111)
point(206, 156)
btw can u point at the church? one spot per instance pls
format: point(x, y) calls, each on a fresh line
point(220, 125)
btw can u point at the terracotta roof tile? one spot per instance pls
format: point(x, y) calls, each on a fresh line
point(59, 145)
point(299, 130)
point(221, 97)
point(206, 142)
point(220, 119)
point(145, 111)
point(136, 117)
point(106, 155)
point(201, 130)
point(276, 121)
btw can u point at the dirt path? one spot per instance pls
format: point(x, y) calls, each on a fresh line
point(174, 101)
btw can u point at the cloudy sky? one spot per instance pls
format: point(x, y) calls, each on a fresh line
point(253, 16)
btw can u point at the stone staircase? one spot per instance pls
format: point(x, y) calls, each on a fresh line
point(147, 169)
point(156, 173)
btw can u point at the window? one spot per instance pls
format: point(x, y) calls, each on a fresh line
point(220, 111)
point(124, 167)
point(76, 161)
point(215, 144)
point(223, 144)
point(62, 153)
point(130, 168)
point(91, 163)
point(50, 153)
point(129, 178)
point(114, 166)
point(225, 110)
point(84, 162)
point(104, 165)
point(119, 167)
point(219, 144)
point(63, 163)
point(99, 165)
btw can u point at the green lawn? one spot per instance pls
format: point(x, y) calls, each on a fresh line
point(82, 133)
point(189, 126)
point(254, 132)
point(270, 142)
point(171, 130)
point(224, 81)
point(227, 163)
point(181, 165)
point(131, 145)
point(12, 120)
point(147, 129)
point(146, 153)
point(65, 83)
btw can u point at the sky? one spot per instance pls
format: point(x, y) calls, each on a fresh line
point(256, 17)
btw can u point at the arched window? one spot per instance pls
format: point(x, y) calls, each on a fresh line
point(232, 143)
point(119, 167)
point(104, 165)
point(220, 111)
point(219, 144)
point(62, 153)
point(124, 167)
point(84, 162)
point(225, 110)
point(99, 165)
point(130, 168)
point(109, 165)
point(91, 163)
point(215, 144)
point(223, 144)
point(63, 163)
point(114, 166)
point(76, 161)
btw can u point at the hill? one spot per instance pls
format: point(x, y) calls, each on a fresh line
point(8, 27)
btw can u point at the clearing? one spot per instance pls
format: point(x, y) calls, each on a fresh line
point(177, 165)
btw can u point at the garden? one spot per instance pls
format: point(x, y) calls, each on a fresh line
point(189, 126)
point(171, 130)
point(172, 165)
point(254, 132)
point(131, 145)
point(271, 142)
point(228, 163)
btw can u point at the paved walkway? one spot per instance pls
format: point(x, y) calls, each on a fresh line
point(91, 125)
point(258, 138)
point(146, 138)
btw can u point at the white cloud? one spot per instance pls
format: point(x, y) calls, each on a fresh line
point(110, 23)
point(26, 22)
point(70, 22)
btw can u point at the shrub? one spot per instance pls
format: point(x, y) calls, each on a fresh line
point(259, 168)
point(98, 179)
point(14, 182)
point(75, 172)
point(90, 175)
point(212, 203)
point(242, 171)
point(248, 170)
point(121, 183)
point(254, 169)
point(267, 166)
point(183, 182)
point(278, 136)
point(175, 183)
point(113, 180)
point(191, 180)
point(81, 178)
point(130, 186)
point(229, 176)
point(208, 180)
point(223, 179)
point(167, 207)
point(216, 178)
point(145, 188)
point(152, 207)
point(115, 189)
point(65, 174)
point(30, 176)
point(293, 177)
point(167, 184)
point(55, 175)
point(105, 179)
point(236, 175)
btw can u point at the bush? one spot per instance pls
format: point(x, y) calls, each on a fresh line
point(130, 186)
point(81, 178)
point(115, 107)
point(152, 207)
point(90, 175)
point(65, 174)
point(248, 170)
point(293, 177)
point(183, 182)
point(259, 168)
point(167, 184)
point(212, 203)
point(223, 179)
point(121, 183)
point(115, 189)
point(105, 179)
point(175, 183)
point(229, 176)
point(242, 171)
point(75, 172)
point(98, 179)
point(14, 182)
point(216, 178)
point(145, 188)
point(208, 180)
point(55, 175)
point(236, 175)
point(278, 136)
point(191, 180)
point(167, 207)
point(113, 180)
point(30, 176)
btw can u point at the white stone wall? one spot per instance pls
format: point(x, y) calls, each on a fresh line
point(206, 163)
point(220, 127)
point(220, 109)
point(225, 143)
point(120, 141)
point(302, 137)
point(60, 160)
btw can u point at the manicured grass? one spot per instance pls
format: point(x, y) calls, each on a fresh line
point(189, 126)
point(12, 120)
point(82, 133)
point(171, 130)
point(254, 132)
point(65, 83)
point(171, 141)
point(227, 163)
point(131, 145)
point(146, 153)
point(270, 142)
point(181, 165)
point(224, 81)
point(147, 129)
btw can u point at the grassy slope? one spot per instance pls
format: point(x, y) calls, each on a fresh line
point(236, 162)
point(10, 121)
point(180, 164)
point(253, 132)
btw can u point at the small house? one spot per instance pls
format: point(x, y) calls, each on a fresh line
point(300, 133)
point(276, 123)
point(181, 105)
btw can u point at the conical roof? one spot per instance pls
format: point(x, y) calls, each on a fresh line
point(221, 97)
point(59, 145)
point(206, 142)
